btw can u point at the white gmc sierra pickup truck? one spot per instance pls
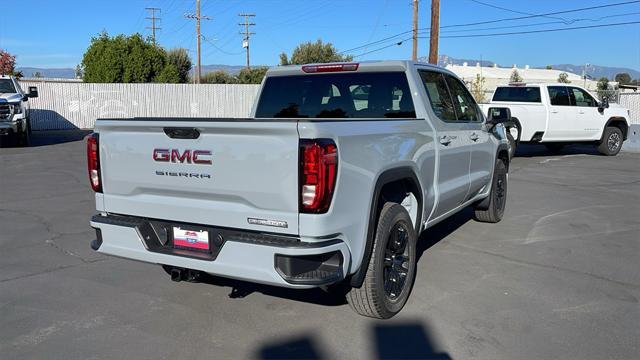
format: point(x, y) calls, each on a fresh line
point(560, 114)
point(329, 183)
point(15, 111)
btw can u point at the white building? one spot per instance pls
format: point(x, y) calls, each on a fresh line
point(495, 75)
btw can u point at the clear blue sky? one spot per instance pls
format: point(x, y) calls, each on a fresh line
point(46, 33)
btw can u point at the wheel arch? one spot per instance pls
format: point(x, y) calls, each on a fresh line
point(388, 187)
point(620, 123)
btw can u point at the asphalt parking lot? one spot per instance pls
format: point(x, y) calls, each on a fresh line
point(559, 277)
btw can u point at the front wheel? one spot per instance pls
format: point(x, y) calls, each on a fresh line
point(392, 267)
point(491, 209)
point(611, 141)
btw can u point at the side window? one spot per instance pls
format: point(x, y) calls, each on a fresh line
point(465, 106)
point(559, 96)
point(580, 97)
point(438, 93)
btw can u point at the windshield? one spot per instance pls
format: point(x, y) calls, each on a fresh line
point(529, 94)
point(337, 95)
point(6, 86)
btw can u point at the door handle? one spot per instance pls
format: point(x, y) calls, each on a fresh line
point(474, 137)
point(445, 140)
point(554, 112)
point(580, 112)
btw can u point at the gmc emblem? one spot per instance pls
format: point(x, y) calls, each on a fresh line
point(187, 156)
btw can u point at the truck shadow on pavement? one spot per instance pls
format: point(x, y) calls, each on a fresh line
point(535, 150)
point(409, 340)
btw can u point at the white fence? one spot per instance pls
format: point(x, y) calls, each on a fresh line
point(78, 105)
point(632, 102)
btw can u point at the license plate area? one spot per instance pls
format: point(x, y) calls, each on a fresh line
point(190, 239)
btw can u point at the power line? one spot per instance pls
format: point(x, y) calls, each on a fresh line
point(546, 14)
point(153, 19)
point(542, 30)
point(247, 34)
point(516, 11)
point(504, 34)
point(493, 21)
point(219, 48)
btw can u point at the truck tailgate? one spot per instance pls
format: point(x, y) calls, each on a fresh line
point(236, 173)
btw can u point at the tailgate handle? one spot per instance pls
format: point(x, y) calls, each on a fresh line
point(182, 132)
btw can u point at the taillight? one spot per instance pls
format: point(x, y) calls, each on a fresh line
point(330, 68)
point(318, 171)
point(93, 162)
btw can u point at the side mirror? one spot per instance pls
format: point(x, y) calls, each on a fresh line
point(33, 92)
point(25, 97)
point(604, 104)
point(498, 115)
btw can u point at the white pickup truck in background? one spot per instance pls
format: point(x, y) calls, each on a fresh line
point(559, 114)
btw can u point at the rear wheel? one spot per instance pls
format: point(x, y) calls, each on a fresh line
point(391, 271)
point(493, 210)
point(611, 141)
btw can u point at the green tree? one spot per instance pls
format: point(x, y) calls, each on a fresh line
point(127, 59)
point(515, 76)
point(623, 78)
point(313, 52)
point(252, 76)
point(477, 89)
point(563, 78)
point(179, 57)
point(549, 67)
point(603, 83)
point(603, 88)
point(169, 74)
point(78, 72)
point(218, 77)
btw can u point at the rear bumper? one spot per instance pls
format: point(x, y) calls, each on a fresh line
point(263, 258)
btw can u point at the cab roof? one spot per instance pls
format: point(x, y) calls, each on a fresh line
point(363, 66)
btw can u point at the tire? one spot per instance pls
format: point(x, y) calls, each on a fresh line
point(512, 145)
point(395, 241)
point(497, 197)
point(611, 141)
point(24, 137)
point(554, 147)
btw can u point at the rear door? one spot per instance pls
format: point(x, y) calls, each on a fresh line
point(475, 134)
point(234, 173)
point(453, 144)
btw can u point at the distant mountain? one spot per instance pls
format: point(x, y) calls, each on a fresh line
point(595, 71)
point(69, 73)
point(60, 73)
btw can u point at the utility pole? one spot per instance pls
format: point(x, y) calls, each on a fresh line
point(435, 32)
point(415, 31)
point(247, 34)
point(197, 17)
point(153, 19)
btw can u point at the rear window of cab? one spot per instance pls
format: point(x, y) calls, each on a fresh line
point(528, 94)
point(337, 95)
